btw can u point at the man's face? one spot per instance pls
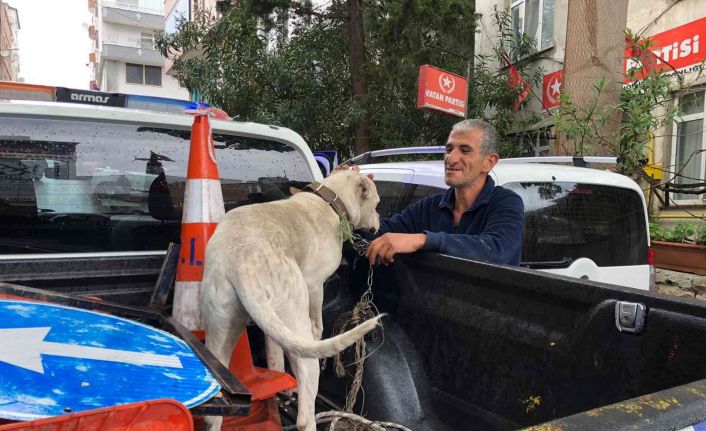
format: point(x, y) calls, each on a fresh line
point(464, 162)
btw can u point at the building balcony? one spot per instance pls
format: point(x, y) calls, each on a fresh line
point(121, 13)
point(92, 57)
point(92, 32)
point(132, 52)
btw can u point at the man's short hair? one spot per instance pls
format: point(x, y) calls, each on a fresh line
point(489, 140)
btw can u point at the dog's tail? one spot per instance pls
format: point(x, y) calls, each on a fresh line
point(261, 311)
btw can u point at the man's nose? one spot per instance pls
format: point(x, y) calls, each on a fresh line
point(451, 157)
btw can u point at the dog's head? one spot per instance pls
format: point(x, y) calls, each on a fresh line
point(360, 196)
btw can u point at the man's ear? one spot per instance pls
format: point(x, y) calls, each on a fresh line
point(490, 161)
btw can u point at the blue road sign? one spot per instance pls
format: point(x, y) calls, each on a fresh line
point(56, 360)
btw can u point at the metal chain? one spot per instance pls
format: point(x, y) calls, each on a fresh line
point(360, 244)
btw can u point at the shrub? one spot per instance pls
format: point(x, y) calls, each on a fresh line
point(683, 233)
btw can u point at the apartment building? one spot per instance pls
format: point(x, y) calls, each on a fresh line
point(124, 57)
point(9, 50)
point(678, 30)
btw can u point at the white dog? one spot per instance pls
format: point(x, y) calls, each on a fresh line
point(267, 263)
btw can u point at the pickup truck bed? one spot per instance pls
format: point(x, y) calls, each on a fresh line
point(470, 345)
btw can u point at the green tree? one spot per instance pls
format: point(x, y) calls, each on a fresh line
point(304, 81)
point(644, 105)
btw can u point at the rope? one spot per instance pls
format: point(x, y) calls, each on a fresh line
point(363, 310)
point(351, 319)
point(333, 417)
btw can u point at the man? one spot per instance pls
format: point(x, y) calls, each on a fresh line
point(473, 219)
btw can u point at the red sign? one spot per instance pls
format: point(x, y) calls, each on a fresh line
point(442, 91)
point(680, 47)
point(551, 87)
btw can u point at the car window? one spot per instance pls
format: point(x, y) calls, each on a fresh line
point(421, 191)
point(572, 220)
point(80, 186)
point(391, 196)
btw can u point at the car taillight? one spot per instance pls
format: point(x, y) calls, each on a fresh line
point(653, 271)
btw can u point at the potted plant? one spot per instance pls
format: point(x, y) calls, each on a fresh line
point(682, 248)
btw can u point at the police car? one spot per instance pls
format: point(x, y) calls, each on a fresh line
point(579, 222)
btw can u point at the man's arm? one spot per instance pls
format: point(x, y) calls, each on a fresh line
point(401, 233)
point(499, 242)
point(407, 221)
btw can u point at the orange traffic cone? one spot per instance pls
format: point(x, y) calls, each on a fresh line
point(203, 209)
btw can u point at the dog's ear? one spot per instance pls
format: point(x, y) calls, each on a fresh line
point(293, 191)
point(364, 188)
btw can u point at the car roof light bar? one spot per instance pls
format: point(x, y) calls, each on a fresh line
point(580, 161)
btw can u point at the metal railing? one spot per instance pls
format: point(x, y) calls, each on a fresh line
point(132, 44)
point(131, 7)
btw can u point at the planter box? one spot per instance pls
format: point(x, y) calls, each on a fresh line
point(680, 257)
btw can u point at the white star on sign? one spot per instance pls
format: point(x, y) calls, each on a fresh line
point(556, 86)
point(447, 82)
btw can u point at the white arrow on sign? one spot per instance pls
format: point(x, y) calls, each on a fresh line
point(23, 347)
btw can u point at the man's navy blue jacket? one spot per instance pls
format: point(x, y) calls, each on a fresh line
point(491, 230)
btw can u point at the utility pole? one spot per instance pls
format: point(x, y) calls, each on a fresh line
point(595, 46)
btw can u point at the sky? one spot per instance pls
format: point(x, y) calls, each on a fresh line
point(54, 46)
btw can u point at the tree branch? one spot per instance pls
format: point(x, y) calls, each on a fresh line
point(308, 10)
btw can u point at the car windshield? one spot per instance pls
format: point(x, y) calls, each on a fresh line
point(565, 221)
point(99, 186)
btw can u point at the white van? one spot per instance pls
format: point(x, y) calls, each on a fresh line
point(87, 179)
point(580, 222)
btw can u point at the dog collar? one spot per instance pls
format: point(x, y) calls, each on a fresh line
point(330, 197)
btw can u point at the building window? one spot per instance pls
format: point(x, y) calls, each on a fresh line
point(141, 74)
point(535, 18)
point(689, 146)
point(147, 41)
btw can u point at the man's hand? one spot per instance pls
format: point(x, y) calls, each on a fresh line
point(345, 166)
point(388, 245)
